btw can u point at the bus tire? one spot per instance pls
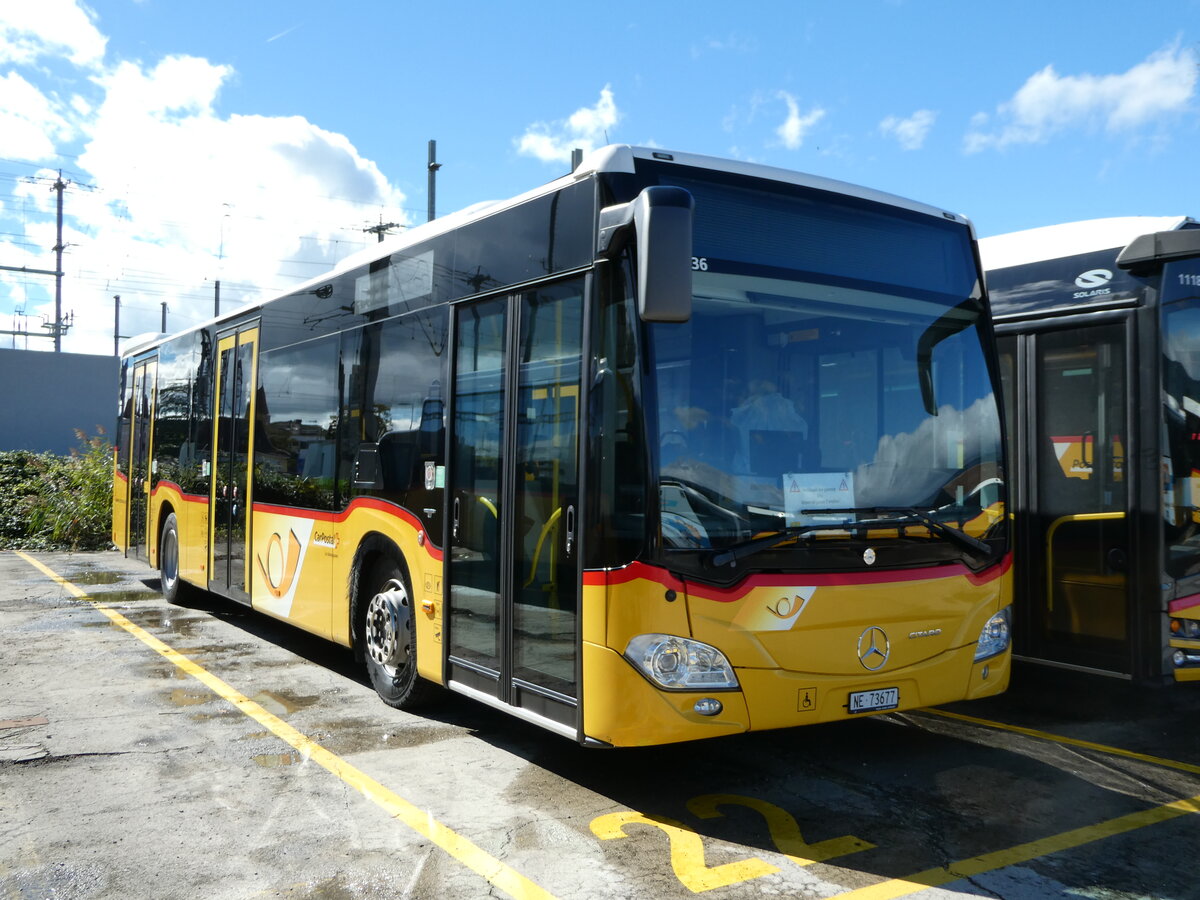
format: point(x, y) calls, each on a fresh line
point(389, 638)
point(168, 561)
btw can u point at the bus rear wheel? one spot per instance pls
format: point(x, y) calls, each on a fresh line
point(389, 636)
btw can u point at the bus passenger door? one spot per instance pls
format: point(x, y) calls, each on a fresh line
point(233, 454)
point(513, 563)
point(1074, 530)
point(141, 456)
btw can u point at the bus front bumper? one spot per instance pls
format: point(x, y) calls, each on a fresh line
point(623, 709)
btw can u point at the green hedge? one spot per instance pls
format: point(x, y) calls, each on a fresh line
point(50, 502)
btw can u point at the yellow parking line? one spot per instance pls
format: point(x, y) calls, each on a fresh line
point(1073, 742)
point(459, 847)
point(989, 862)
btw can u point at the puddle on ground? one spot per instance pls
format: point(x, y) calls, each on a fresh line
point(110, 598)
point(191, 696)
point(282, 704)
point(93, 577)
point(166, 618)
point(275, 760)
point(348, 736)
point(155, 669)
point(220, 714)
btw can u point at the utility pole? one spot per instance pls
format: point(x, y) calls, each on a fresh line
point(381, 228)
point(164, 317)
point(59, 186)
point(116, 324)
point(58, 327)
point(434, 165)
point(217, 299)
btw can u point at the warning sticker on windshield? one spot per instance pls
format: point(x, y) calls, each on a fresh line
point(817, 490)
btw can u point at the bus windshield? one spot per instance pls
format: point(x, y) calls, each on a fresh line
point(832, 373)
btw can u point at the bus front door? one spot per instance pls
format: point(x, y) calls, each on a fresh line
point(1074, 529)
point(141, 457)
point(233, 451)
point(512, 569)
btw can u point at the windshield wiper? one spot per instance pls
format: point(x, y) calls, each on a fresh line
point(885, 517)
point(957, 535)
point(757, 545)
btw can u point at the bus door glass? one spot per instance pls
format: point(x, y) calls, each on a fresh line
point(1180, 463)
point(141, 455)
point(1079, 530)
point(233, 447)
point(514, 527)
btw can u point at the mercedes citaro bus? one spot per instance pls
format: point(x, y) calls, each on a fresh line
point(670, 448)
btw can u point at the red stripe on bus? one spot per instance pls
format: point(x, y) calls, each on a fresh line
point(1183, 603)
point(338, 518)
point(187, 498)
point(643, 571)
point(635, 571)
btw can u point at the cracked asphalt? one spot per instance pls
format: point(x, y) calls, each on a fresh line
point(155, 751)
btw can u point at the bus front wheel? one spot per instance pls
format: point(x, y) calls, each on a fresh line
point(168, 560)
point(388, 632)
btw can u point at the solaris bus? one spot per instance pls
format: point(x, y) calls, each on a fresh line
point(1099, 334)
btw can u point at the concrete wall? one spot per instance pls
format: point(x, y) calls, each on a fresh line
point(44, 397)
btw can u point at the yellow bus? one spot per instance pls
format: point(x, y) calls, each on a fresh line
point(671, 448)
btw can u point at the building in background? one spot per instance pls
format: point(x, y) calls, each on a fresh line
point(48, 396)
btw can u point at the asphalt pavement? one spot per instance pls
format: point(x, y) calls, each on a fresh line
point(149, 750)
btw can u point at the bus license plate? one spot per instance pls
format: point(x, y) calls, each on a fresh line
point(874, 701)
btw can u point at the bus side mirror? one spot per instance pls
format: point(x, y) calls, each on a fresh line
point(659, 219)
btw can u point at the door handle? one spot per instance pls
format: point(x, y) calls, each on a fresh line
point(570, 529)
point(454, 526)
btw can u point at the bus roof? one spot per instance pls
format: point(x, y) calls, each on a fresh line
point(614, 158)
point(1018, 248)
point(1066, 268)
point(621, 158)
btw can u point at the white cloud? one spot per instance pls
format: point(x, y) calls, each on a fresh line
point(30, 122)
point(797, 125)
point(172, 195)
point(910, 132)
point(1048, 103)
point(733, 43)
point(49, 28)
point(586, 129)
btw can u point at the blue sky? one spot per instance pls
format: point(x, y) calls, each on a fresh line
point(252, 142)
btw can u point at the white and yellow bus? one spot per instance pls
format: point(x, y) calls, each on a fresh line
point(670, 448)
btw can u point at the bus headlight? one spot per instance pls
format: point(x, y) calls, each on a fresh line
point(996, 634)
point(680, 664)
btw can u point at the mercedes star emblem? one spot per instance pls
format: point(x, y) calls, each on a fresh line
point(873, 648)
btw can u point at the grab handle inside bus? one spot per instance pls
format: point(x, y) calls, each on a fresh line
point(659, 220)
